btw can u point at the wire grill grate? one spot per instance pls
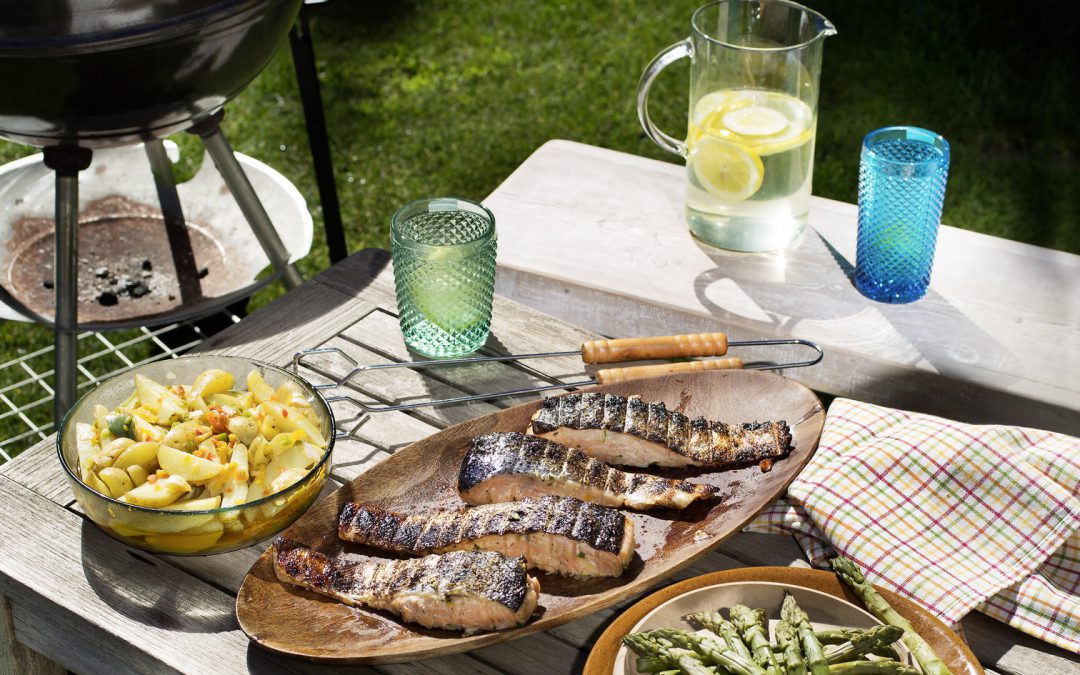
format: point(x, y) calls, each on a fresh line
point(26, 391)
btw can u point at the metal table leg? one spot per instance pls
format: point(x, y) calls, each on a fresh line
point(67, 162)
point(209, 130)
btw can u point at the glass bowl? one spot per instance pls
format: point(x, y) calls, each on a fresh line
point(202, 532)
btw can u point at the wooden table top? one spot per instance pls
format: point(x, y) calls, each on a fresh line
point(94, 605)
point(598, 238)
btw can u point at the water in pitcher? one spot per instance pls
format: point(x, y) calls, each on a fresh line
point(749, 165)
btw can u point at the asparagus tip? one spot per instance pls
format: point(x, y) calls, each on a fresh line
point(847, 567)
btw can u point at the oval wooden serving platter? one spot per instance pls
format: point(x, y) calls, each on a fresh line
point(289, 620)
point(946, 643)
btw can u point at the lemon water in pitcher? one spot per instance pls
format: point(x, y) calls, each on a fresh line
point(749, 148)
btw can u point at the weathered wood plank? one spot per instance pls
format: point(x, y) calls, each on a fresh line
point(54, 559)
point(15, 657)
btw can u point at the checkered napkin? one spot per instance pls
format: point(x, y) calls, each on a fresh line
point(954, 516)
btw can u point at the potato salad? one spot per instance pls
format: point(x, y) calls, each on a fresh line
point(196, 448)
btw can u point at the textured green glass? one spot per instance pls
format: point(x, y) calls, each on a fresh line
point(444, 273)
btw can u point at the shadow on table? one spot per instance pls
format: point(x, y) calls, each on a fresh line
point(815, 292)
point(136, 585)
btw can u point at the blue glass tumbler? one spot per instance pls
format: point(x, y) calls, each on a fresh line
point(902, 175)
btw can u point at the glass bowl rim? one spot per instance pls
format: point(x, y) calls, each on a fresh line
point(298, 485)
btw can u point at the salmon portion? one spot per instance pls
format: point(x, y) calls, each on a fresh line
point(463, 590)
point(510, 466)
point(559, 535)
point(631, 432)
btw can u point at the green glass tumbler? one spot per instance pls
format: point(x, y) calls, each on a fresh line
point(444, 273)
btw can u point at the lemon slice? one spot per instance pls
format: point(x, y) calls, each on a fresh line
point(755, 121)
point(726, 170)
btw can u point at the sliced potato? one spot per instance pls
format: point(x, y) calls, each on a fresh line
point(187, 466)
point(136, 523)
point(235, 491)
point(86, 447)
point(166, 404)
point(286, 479)
point(110, 452)
point(187, 435)
point(94, 483)
point(245, 428)
point(213, 381)
point(145, 430)
point(158, 493)
point(138, 474)
point(203, 504)
point(258, 387)
point(289, 419)
point(142, 454)
point(293, 458)
point(117, 480)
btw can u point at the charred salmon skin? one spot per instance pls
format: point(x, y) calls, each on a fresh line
point(559, 535)
point(509, 466)
point(463, 590)
point(631, 432)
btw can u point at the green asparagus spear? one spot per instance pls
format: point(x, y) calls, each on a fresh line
point(872, 668)
point(813, 652)
point(646, 645)
point(651, 664)
point(792, 655)
point(864, 643)
point(851, 575)
point(837, 636)
point(725, 629)
point(886, 652)
point(710, 651)
point(747, 621)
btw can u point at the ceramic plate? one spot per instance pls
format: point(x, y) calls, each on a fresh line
point(824, 598)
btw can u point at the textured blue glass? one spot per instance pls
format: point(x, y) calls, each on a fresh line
point(902, 177)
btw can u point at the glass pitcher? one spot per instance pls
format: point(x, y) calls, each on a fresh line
point(749, 145)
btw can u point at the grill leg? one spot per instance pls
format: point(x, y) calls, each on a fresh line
point(187, 275)
point(67, 162)
point(209, 130)
point(307, 79)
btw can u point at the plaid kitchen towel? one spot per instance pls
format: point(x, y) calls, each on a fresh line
point(954, 516)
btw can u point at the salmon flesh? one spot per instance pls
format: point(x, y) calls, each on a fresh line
point(463, 590)
point(631, 432)
point(559, 535)
point(509, 466)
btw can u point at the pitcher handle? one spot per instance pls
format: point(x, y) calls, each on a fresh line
point(679, 50)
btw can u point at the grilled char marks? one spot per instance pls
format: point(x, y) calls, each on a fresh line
point(599, 527)
point(703, 442)
point(563, 470)
point(475, 574)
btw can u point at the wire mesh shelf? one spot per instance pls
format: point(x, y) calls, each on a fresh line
point(26, 391)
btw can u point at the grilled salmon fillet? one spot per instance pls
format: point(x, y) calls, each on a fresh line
point(560, 535)
point(631, 432)
point(462, 590)
point(510, 466)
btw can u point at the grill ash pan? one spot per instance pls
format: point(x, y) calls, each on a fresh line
point(125, 267)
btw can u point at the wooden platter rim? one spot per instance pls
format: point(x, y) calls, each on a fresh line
point(686, 555)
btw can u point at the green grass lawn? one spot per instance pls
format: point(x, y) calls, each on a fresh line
point(447, 97)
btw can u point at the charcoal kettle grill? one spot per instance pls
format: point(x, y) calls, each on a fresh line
point(88, 74)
